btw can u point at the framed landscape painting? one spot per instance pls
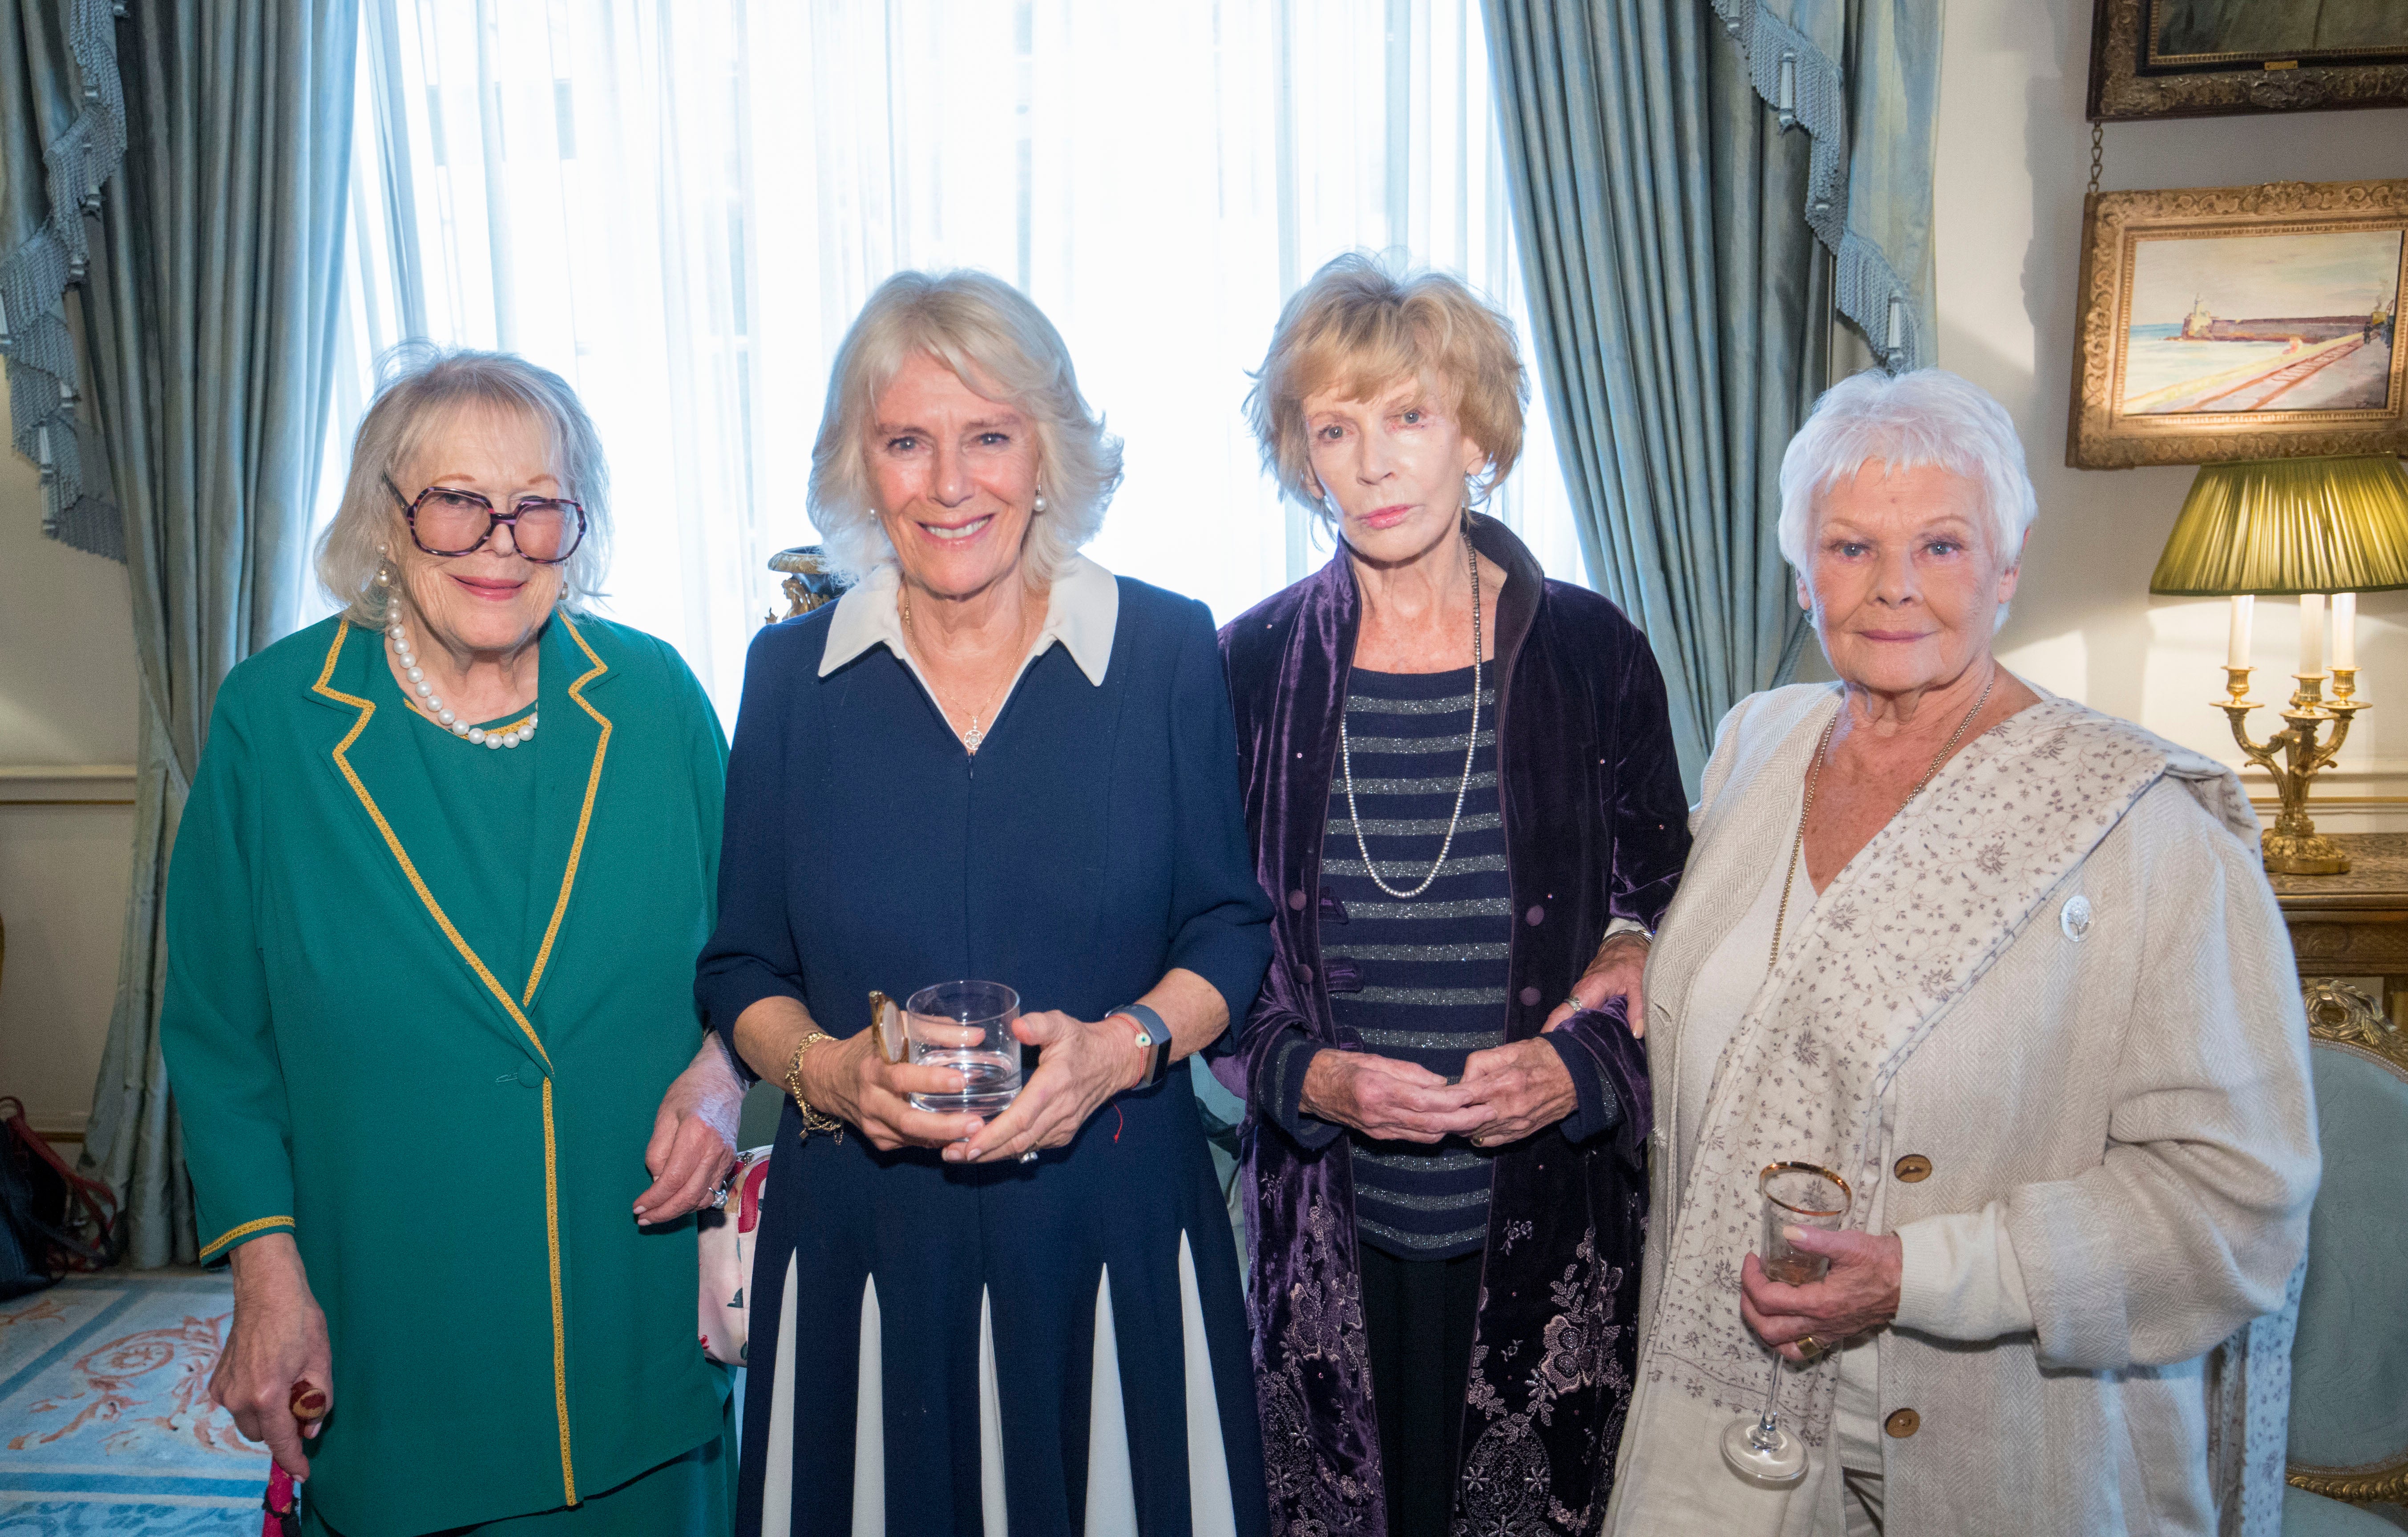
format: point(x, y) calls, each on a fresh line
point(2240, 322)
point(2203, 58)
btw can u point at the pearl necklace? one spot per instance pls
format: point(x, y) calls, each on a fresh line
point(1471, 754)
point(435, 710)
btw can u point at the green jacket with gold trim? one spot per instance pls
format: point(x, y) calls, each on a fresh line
point(456, 1149)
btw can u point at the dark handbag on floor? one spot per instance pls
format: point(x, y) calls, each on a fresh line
point(46, 1210)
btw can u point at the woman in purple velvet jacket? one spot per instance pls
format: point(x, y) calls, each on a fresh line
point(1460, 783)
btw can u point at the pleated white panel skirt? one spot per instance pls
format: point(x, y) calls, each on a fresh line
point(1111, 1495)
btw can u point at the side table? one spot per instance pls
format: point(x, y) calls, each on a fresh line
point(2353, 925)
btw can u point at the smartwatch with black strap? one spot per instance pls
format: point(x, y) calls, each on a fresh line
point(1153, 1038)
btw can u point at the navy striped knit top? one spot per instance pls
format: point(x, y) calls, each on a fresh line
point(1423, 979)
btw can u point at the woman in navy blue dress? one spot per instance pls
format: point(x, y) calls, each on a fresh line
point(989, 759)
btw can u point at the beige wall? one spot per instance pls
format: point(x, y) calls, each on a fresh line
point(66, 734)
point(2013, 157)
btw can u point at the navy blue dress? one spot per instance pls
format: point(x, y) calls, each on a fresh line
point(1094, 842)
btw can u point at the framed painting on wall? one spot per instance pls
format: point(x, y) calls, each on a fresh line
point(2240, 322)
point(2210, 58)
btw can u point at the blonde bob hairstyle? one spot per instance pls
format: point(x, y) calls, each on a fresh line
point(1361, 325)
point(424, 389)
point(1002, 348)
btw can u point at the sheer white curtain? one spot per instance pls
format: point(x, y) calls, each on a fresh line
point(680, 204)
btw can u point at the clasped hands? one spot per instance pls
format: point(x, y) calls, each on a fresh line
point(1506, 1092)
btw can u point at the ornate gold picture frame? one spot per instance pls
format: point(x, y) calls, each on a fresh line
point(2240, 322)
point(2212, 58)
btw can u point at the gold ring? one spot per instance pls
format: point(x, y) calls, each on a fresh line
point(1811, 1346)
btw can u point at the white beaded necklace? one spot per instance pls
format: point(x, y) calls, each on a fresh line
point(435, 710)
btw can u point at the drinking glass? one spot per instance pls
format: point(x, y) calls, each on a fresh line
point(967, 1026)
point(1796, 1195)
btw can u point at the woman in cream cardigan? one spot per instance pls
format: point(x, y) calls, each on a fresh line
point(2011, 966)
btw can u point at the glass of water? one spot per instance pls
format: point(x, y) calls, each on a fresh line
point(967, 1026)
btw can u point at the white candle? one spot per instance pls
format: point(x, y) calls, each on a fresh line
point(2312, 635)
point(2344, 629)
point(2245, 612)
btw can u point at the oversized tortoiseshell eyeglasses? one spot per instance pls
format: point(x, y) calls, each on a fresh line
point(447, 520)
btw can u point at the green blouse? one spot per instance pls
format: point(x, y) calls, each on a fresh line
point(422, 1000)
point(479, 855)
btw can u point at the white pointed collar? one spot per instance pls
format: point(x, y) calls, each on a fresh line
point(1082, 612)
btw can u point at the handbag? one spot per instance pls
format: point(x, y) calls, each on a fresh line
point(46, 1208)
point(724, 1235)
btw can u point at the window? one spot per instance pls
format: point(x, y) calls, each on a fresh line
point(680, 207)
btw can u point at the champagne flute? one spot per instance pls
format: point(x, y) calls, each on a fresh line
point(1796, 1195)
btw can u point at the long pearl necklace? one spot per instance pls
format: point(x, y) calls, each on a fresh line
point(1471, 754)
point(436, 709)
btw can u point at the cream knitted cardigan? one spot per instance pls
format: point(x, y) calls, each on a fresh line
point(2119, 1101)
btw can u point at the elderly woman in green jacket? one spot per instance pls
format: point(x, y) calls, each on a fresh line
point(436, 900)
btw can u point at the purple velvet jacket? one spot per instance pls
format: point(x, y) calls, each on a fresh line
point(1596, 827)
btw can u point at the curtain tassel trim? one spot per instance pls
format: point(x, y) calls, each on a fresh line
point(1802, 86)
point(77, 508)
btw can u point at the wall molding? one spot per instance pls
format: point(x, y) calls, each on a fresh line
point(2372, 798)
point(68, 784)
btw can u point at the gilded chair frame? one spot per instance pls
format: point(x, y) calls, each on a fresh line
point(2347, 1019)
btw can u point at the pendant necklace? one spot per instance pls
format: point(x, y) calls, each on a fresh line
point(1815, 776)
point(975, 735)
point(1470, 750)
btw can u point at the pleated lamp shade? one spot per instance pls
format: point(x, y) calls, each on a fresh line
point(2278, 528)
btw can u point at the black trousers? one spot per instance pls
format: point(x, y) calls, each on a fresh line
point(1418, 1315)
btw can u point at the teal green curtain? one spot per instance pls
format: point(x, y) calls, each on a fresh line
point(1680, 310)
point(1861, 79)
point(61, 137)
point(209, 318)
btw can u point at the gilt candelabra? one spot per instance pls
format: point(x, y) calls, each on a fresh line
point(2283, 527)
point(2294, 755)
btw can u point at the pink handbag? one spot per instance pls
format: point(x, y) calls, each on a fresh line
point(724, 1235)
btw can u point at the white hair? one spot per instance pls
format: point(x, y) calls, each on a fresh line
point(1000, 345)
point(422, 386)
point(1927, 417)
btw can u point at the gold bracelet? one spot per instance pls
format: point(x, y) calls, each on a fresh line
point(812, 1120)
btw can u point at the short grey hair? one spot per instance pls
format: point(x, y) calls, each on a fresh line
point(1927, 417)
point(420, 384)
point(999, 345)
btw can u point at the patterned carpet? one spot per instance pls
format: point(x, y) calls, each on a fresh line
point(105, 1425)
